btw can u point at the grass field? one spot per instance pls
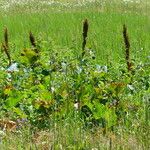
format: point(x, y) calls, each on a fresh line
point(59, 99)
point(65, 28)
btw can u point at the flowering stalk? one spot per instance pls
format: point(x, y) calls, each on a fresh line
point(32, 41)
point(85, 32)
point(127, 48)
point(5, 46)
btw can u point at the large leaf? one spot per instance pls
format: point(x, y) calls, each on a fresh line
point(98, 110)
point(14, 99)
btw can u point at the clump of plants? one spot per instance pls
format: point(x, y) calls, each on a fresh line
point(50, 83)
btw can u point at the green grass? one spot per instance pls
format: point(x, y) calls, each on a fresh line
point(59, 29)
point(65, 29)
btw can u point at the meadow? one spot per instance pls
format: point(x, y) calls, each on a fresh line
point(74, 75)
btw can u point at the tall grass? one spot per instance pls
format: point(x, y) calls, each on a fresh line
point(65, 29)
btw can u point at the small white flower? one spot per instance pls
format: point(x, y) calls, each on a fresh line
point(52, 89)
point(76, 105)
point(130, 87)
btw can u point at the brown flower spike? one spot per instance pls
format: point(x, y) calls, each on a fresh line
point(33, 42)
point(127, 47)
point(32, 39)
point(6, 37)
point(85, 32)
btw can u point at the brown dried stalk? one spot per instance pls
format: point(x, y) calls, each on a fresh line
point(85, 32)
point(5, 46)
point(127, 47)
point(6, 37)
point(32, 41)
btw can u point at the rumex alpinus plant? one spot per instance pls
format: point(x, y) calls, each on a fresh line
point(127, 48)
point(33, 41)
point(85, 32)
point(31, 54)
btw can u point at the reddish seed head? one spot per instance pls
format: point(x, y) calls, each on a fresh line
point(32, 39)
point(85, 28)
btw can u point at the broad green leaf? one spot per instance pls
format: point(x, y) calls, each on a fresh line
point(19, 112)
point(99, 110)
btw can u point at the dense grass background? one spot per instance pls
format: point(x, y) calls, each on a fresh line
point(65, 28)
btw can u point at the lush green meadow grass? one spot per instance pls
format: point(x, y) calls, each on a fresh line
point(58, 28)
point(64, 27)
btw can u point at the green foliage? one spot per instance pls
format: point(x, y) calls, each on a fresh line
point(46, 87)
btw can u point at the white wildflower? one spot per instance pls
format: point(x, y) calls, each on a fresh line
point(76, 106)
point(130, 87)
point(52, 89)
